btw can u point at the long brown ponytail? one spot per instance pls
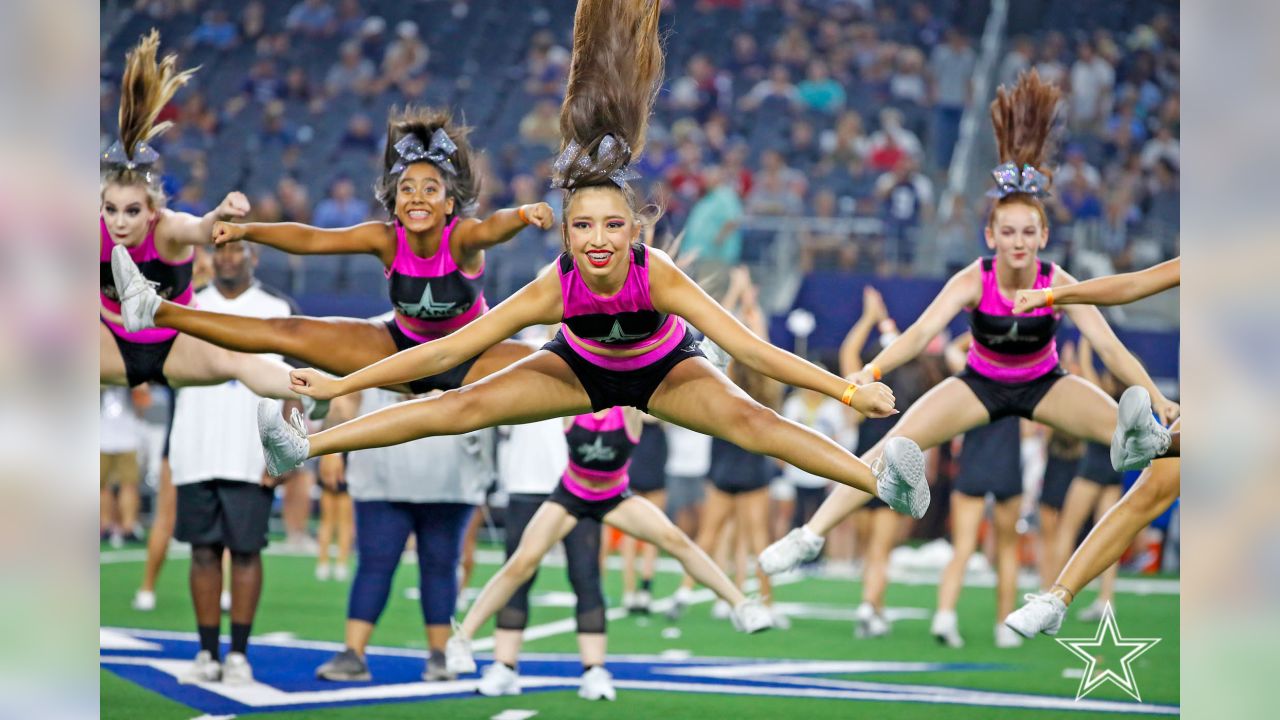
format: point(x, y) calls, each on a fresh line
point(1023, 120)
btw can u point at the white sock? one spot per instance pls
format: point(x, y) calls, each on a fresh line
point(809, 536)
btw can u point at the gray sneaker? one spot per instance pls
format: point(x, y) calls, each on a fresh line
point(346, 666)
point(436, 670)
point(138, 297)
point(284, 444)
point(900, 478)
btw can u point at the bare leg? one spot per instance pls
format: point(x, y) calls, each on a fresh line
point(548, 526)
point(111, 369)
point(753, 524)
point(1078, 407)
point(162, 519)
point(1106, 500)
point(1080, 501)
point(468, 561)
point(942, 413)
point(128, 504)
point(357, 634)
point(715, 512)
point(1156, 489)
point(506, 645)
point(296, 506)
point(504, 354)
point(1050, 563)
point(193, 361)
point(1006, 522)
point(539, 387)
point(875, 574)
point(966, 516)
point(591, 646)
point(628, 565)
point(639, 517)
point(346, 522)
point(325, 529)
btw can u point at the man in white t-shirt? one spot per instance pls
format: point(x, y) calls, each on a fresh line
point(217, 465)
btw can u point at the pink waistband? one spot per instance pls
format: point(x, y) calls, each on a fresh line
point(999, 367)
point(422, 331)
point(150, 336)
point(591, 494)
point(673, 330)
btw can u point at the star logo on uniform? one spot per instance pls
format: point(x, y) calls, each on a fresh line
point(1011, 336)
point(1108, 643)
point(617, 335)
point(596, 451)
point(427, 307)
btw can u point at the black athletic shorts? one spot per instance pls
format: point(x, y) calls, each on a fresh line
point(1095, 465)
point(1005, 399)
point(735, 471)
point(991, 461)
point(614, 388)
point(1058, 473)
point(648, 469)
point(143, 362)
point(231, 513)
point(447, 380)
point(580, 508)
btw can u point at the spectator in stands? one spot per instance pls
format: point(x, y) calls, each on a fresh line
point(908, 84)
point(1162, 147)
point(891, 142)
point(350, 18)
point(1016, 60)
point(711, 234)
point(906, 201)
point(847, 141)
point(1125, 131)
point(820, 91)
point(275, 130)
point(118, 465)
point(359, 137)
point(826, 248)
point(215, 30)
point(1092, 80)
point(793, 49)
point(406, 55)
point(803, 151)
point(699, 91)
point(1076, 164)
point(297, 87)
point(293, 200)
point(927, 27)
point(1162, 207)
point(685, 178)
point(263, 84)
point(1049, 64)
point(191, 200)
point(777, 87)
point(1077, 200)
point(541, 126)
point(952, 68)
point(546, 67)
point(312, 18)
point(253, 21)
point(353, 73)
point(778, 189)
point(959, 236)
point(373, 38)
point(745, 63)
point(341, 209)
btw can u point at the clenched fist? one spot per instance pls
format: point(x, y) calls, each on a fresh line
point(315, 384)
point(225, 232)
point(874, 400)
point(539, 214)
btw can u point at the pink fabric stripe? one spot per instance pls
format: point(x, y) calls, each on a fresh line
point(634, 362)
point(413, 265)
point(591, 495)
point(994, 303)
point(612, 420)
point(422, 332)
point(634, 294)
point(1014, 374)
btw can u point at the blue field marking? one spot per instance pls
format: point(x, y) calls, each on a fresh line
point(284, 673)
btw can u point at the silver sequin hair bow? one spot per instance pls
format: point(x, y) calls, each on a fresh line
point(1009, 181)
point(609, 152)
point(144, 156)
point(438, 153)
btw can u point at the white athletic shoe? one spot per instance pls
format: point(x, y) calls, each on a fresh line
point(498, 679)
point(224, 601)
point(138, 297)
point(1138, 438)
point(679, 601)
point(1093, 612)
point(1043, 613)
point(946, 628)
point(868, 623)
point(795, 547)
point(284, 444)
point(1006, 637)
point(629, 601)
point(236, 669)
point(597, 684)
point(900, 477)
point(780, 619)
point(341, 572)
point(323, 572)
point(457, 654)
point(715, 354)
point(751, 616)
point(203, 669)
point(144, 601)
point(720, 610)
point(643, 600)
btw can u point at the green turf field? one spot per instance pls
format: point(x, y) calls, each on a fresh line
point(294, 602)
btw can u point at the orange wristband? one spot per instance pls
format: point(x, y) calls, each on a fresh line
point(1048, 297)
point(875, 371)
point(847, 398)
point(523, 218)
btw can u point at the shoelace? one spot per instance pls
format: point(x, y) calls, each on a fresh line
point(297, 423)
point(878, 466)
point(136, 288)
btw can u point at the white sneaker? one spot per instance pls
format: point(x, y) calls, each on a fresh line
point(946, 628)
point(1006, 637)
point(1138, 438)
point(138, 297)
point(117, 540)
point(1093, 612)
point(284, 444)
point(629, 602)
point(780, 619)
point(1043, 613)
point(900, 478)
point(715, 354)
point(797, 546)
point(498, 679)
point(642, 602)
point(868, 623)
point(597, 684)
point(679, 601)
point(236, 669)
point(144, 601)
point(341, 572)
point(323, 572)
point(203, 669)
point(751, 616)
point(457, 654)
point(721, 610)
point(224, 601)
